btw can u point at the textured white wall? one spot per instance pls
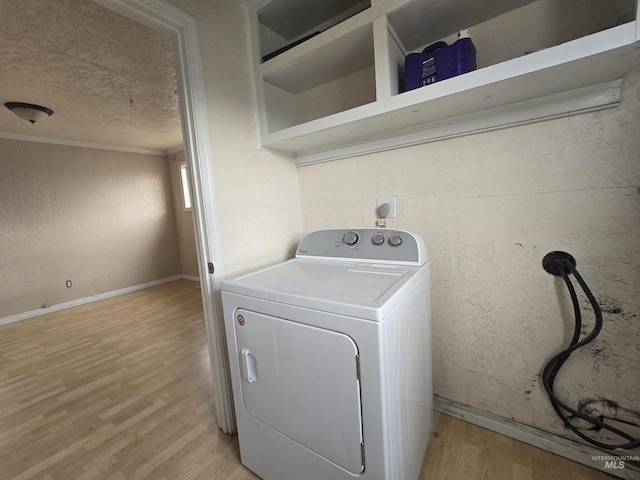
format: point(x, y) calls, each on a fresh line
point(489, 207)
point(102, 219)
point(256, 192)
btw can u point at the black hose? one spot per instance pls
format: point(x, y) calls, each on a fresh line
point(563, 267)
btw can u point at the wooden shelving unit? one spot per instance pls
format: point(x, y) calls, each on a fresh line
point(340, 92)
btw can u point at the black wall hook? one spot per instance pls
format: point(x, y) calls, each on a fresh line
point(553, 262)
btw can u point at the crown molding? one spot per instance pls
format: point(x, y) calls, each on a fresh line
point(174, 151)
point(77, 143)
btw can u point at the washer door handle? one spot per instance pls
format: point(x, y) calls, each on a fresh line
point(248, 365)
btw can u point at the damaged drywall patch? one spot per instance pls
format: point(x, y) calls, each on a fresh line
point(530, 387)
point(624, 422)
point(603, 408)
point(611, 307)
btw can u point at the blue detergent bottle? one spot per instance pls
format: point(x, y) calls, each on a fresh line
point(440, 61)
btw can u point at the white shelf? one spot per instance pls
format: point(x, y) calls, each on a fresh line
point(321, 63)
point(292, 19)
point(576, 76)
point(588, 61)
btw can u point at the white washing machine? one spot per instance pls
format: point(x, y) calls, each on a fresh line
point(330, 358)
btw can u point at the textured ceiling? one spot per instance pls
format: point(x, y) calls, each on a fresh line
point(108, 79)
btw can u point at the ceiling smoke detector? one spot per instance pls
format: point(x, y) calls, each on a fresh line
point(28, 111)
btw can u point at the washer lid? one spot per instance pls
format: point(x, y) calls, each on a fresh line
point(363, 290)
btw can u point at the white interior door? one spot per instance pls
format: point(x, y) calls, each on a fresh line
point(303, 381)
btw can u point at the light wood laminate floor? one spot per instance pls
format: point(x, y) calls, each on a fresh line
point(121, 389)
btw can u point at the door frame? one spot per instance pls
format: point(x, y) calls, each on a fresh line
point(162, 16)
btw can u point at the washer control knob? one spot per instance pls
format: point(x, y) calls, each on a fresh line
point(350, 238)
point(395, 240)
point(377, 239)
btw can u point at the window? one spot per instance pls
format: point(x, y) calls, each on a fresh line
point(186, 191)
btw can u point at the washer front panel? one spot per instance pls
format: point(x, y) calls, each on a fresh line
point(302, 381)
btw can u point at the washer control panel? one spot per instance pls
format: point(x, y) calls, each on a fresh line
point(364, 245)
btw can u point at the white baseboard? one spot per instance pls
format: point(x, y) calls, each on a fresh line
point(564, 447)
point(94, 298)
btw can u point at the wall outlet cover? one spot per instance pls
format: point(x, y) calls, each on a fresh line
point(392, 206)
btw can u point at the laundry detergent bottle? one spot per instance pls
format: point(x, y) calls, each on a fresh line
point(440, 61)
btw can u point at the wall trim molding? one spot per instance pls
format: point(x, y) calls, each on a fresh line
point(578, 452)
point(77, 143)
point(93, 298)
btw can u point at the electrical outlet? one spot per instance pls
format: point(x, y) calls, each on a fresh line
point(68, 284)
point(392, 206)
